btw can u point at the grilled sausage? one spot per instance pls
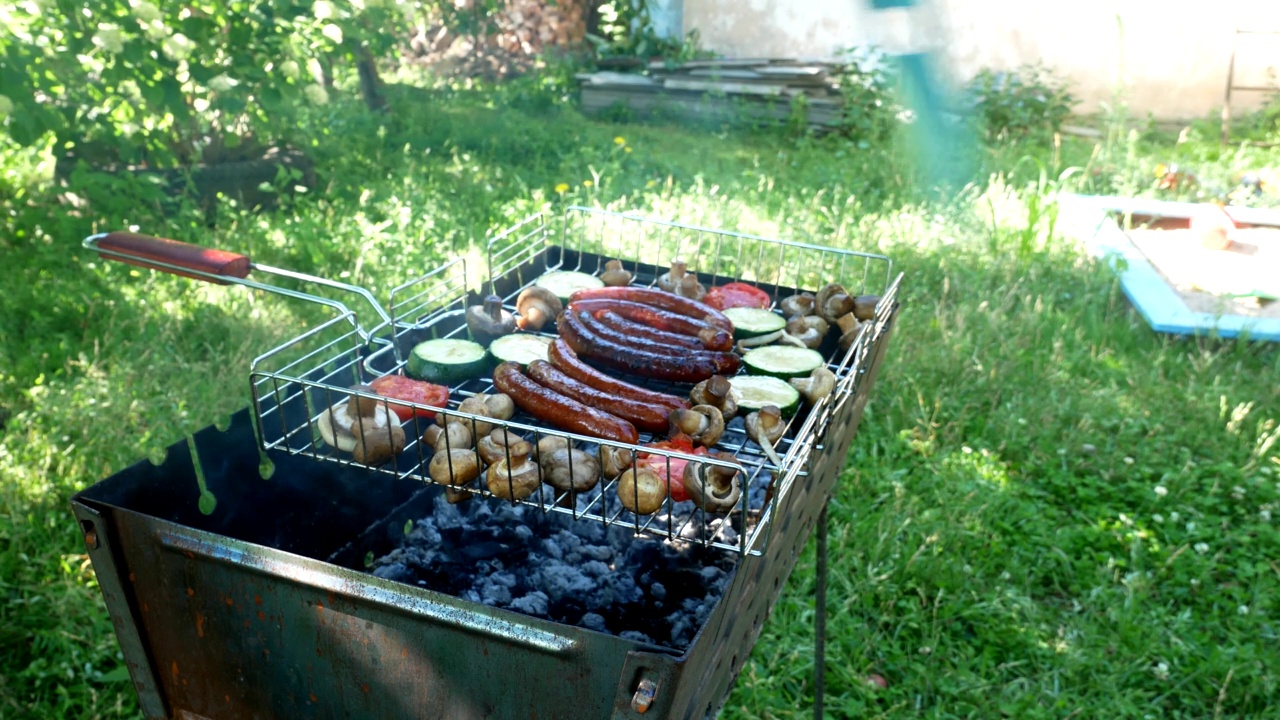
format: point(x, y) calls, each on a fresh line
point(659, 299)
point(565, 413)
point(653, 418)
point(564, 358)
point(728, 363)
point(691, 368)
point(710, 336)
point(639, 330)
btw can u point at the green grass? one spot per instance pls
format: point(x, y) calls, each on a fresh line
point(1000, 543)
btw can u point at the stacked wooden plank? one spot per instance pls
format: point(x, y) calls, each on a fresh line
point(755, 90)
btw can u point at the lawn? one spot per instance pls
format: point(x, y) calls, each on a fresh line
point(1049, 510)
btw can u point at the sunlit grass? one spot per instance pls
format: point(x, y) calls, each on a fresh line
point(1049, 509)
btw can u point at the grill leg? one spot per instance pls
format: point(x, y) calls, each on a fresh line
point(820, 618)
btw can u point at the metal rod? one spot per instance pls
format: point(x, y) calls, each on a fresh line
point(820, 618)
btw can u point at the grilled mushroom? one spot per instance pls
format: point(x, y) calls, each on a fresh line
point(818, 385)
point(455, 467)
point(765, 426)
point(339, 425)
point(453, 436)
point(489, 321)
point(500, 406)
point(816, 323)
point(718, 393)
point(378, 438)
point(495, 446)
point(474, 405)
point(536, 306)
point(690, 287)
point(549, 444)
point(711, 487)
point(832, 302)
point(798, 305)
point(800, 330)
point(864, 306)
point(641, 490)
point(670, 280)
point(515, 477)
point(849, 326)
point(614, 275)
point(702, 423)
point(614, 460)
point(568, 469)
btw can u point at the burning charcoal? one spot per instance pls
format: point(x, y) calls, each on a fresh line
point(603, 553)
point(524, 534)
point(394, 571)
point(657, 591)
point(635, 636)
point(561, 581)
point(495, 593)
point(592, 621)
point(447, 516)
point(711, 573)
point(535, 603)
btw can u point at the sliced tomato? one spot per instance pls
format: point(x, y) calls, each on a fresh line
point(736, 294)
point(404, 388)
point(659, 463)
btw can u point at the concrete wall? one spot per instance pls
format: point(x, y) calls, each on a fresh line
point(1168, 58)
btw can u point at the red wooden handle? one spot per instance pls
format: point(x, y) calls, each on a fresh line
point(143, 248)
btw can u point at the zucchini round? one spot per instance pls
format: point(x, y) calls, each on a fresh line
point(784, 361)
point(519, 348)
point(753, 322)
point(567, 282)
point(755, 391)
point(447, 360)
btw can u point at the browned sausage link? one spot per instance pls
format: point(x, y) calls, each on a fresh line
point(564, 358)
point(691, 368)
point(714, 335)
point(725, 363)
point(565, 413)
point(709, 336)
point(653, 418)
point(659, 299)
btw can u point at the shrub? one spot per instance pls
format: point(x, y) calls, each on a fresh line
point(1029, 103)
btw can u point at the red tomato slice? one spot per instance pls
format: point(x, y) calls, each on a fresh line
point(400, 387)
point(736, 294)
point(658, 463)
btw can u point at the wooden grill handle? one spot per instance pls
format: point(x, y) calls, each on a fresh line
point(145, 251)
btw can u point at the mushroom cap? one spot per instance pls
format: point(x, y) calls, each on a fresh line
point(800, 304)
point(713, 488)
point(515, 478)
point(833, 301)
point(570, 469)
point(536, 305)
point(641, 490)
point(376, 443)
point(614, 274)
point(500, 406)
point(615, 460)
point(489, 320)
point(548, 444)
point(361, 404)
point(800, 330)
point(498, 444)
point(453, 436)
point(456, 467)
point(670, 280)
point(718, 393)
point(819, 384)
point(474, 405)
point(766, 422)
point(336, 424)
point(864, 306)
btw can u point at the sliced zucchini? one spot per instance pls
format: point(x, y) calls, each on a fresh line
point(447, 360)
point(784, 361)
point(519, 348)
point(567, 282)
point(753, 322)
point(755, 391)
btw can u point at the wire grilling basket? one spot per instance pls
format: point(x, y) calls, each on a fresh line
point(296, 385)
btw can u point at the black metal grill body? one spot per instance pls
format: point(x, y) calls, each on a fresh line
point(239, 615)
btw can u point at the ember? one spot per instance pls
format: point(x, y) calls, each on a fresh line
point(549, 566)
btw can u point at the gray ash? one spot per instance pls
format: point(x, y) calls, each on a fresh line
point(550, 566)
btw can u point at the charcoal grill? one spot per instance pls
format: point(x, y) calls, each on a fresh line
point(235, 572)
